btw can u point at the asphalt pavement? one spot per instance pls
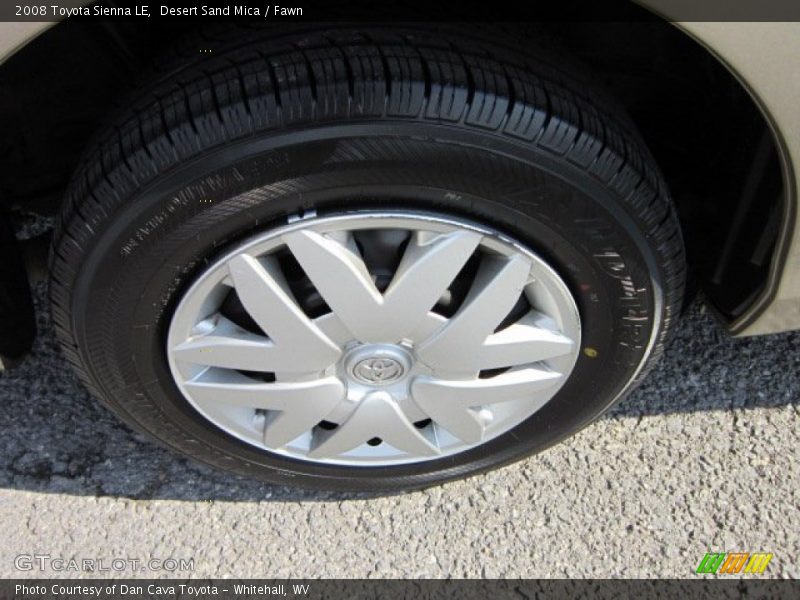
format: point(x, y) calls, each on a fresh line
point(702, 457)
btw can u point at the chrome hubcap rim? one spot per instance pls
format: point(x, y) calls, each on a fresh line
point(372, 339)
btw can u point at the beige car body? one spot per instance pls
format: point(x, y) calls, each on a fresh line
point(765, 57)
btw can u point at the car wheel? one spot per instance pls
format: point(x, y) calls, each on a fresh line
point(365, 262)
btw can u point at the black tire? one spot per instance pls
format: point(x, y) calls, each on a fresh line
point(335, 121)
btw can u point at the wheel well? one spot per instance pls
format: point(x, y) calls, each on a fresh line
point(713, 144)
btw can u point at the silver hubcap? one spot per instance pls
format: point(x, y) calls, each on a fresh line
point(373, 338)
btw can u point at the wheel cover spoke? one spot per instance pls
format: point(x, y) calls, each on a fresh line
point(451, 403)
point(263, 293)
point(376, 416)
point(340, 275)
point(299, 405)
point(231, 347)
point(497, 287)
point(316, 362)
